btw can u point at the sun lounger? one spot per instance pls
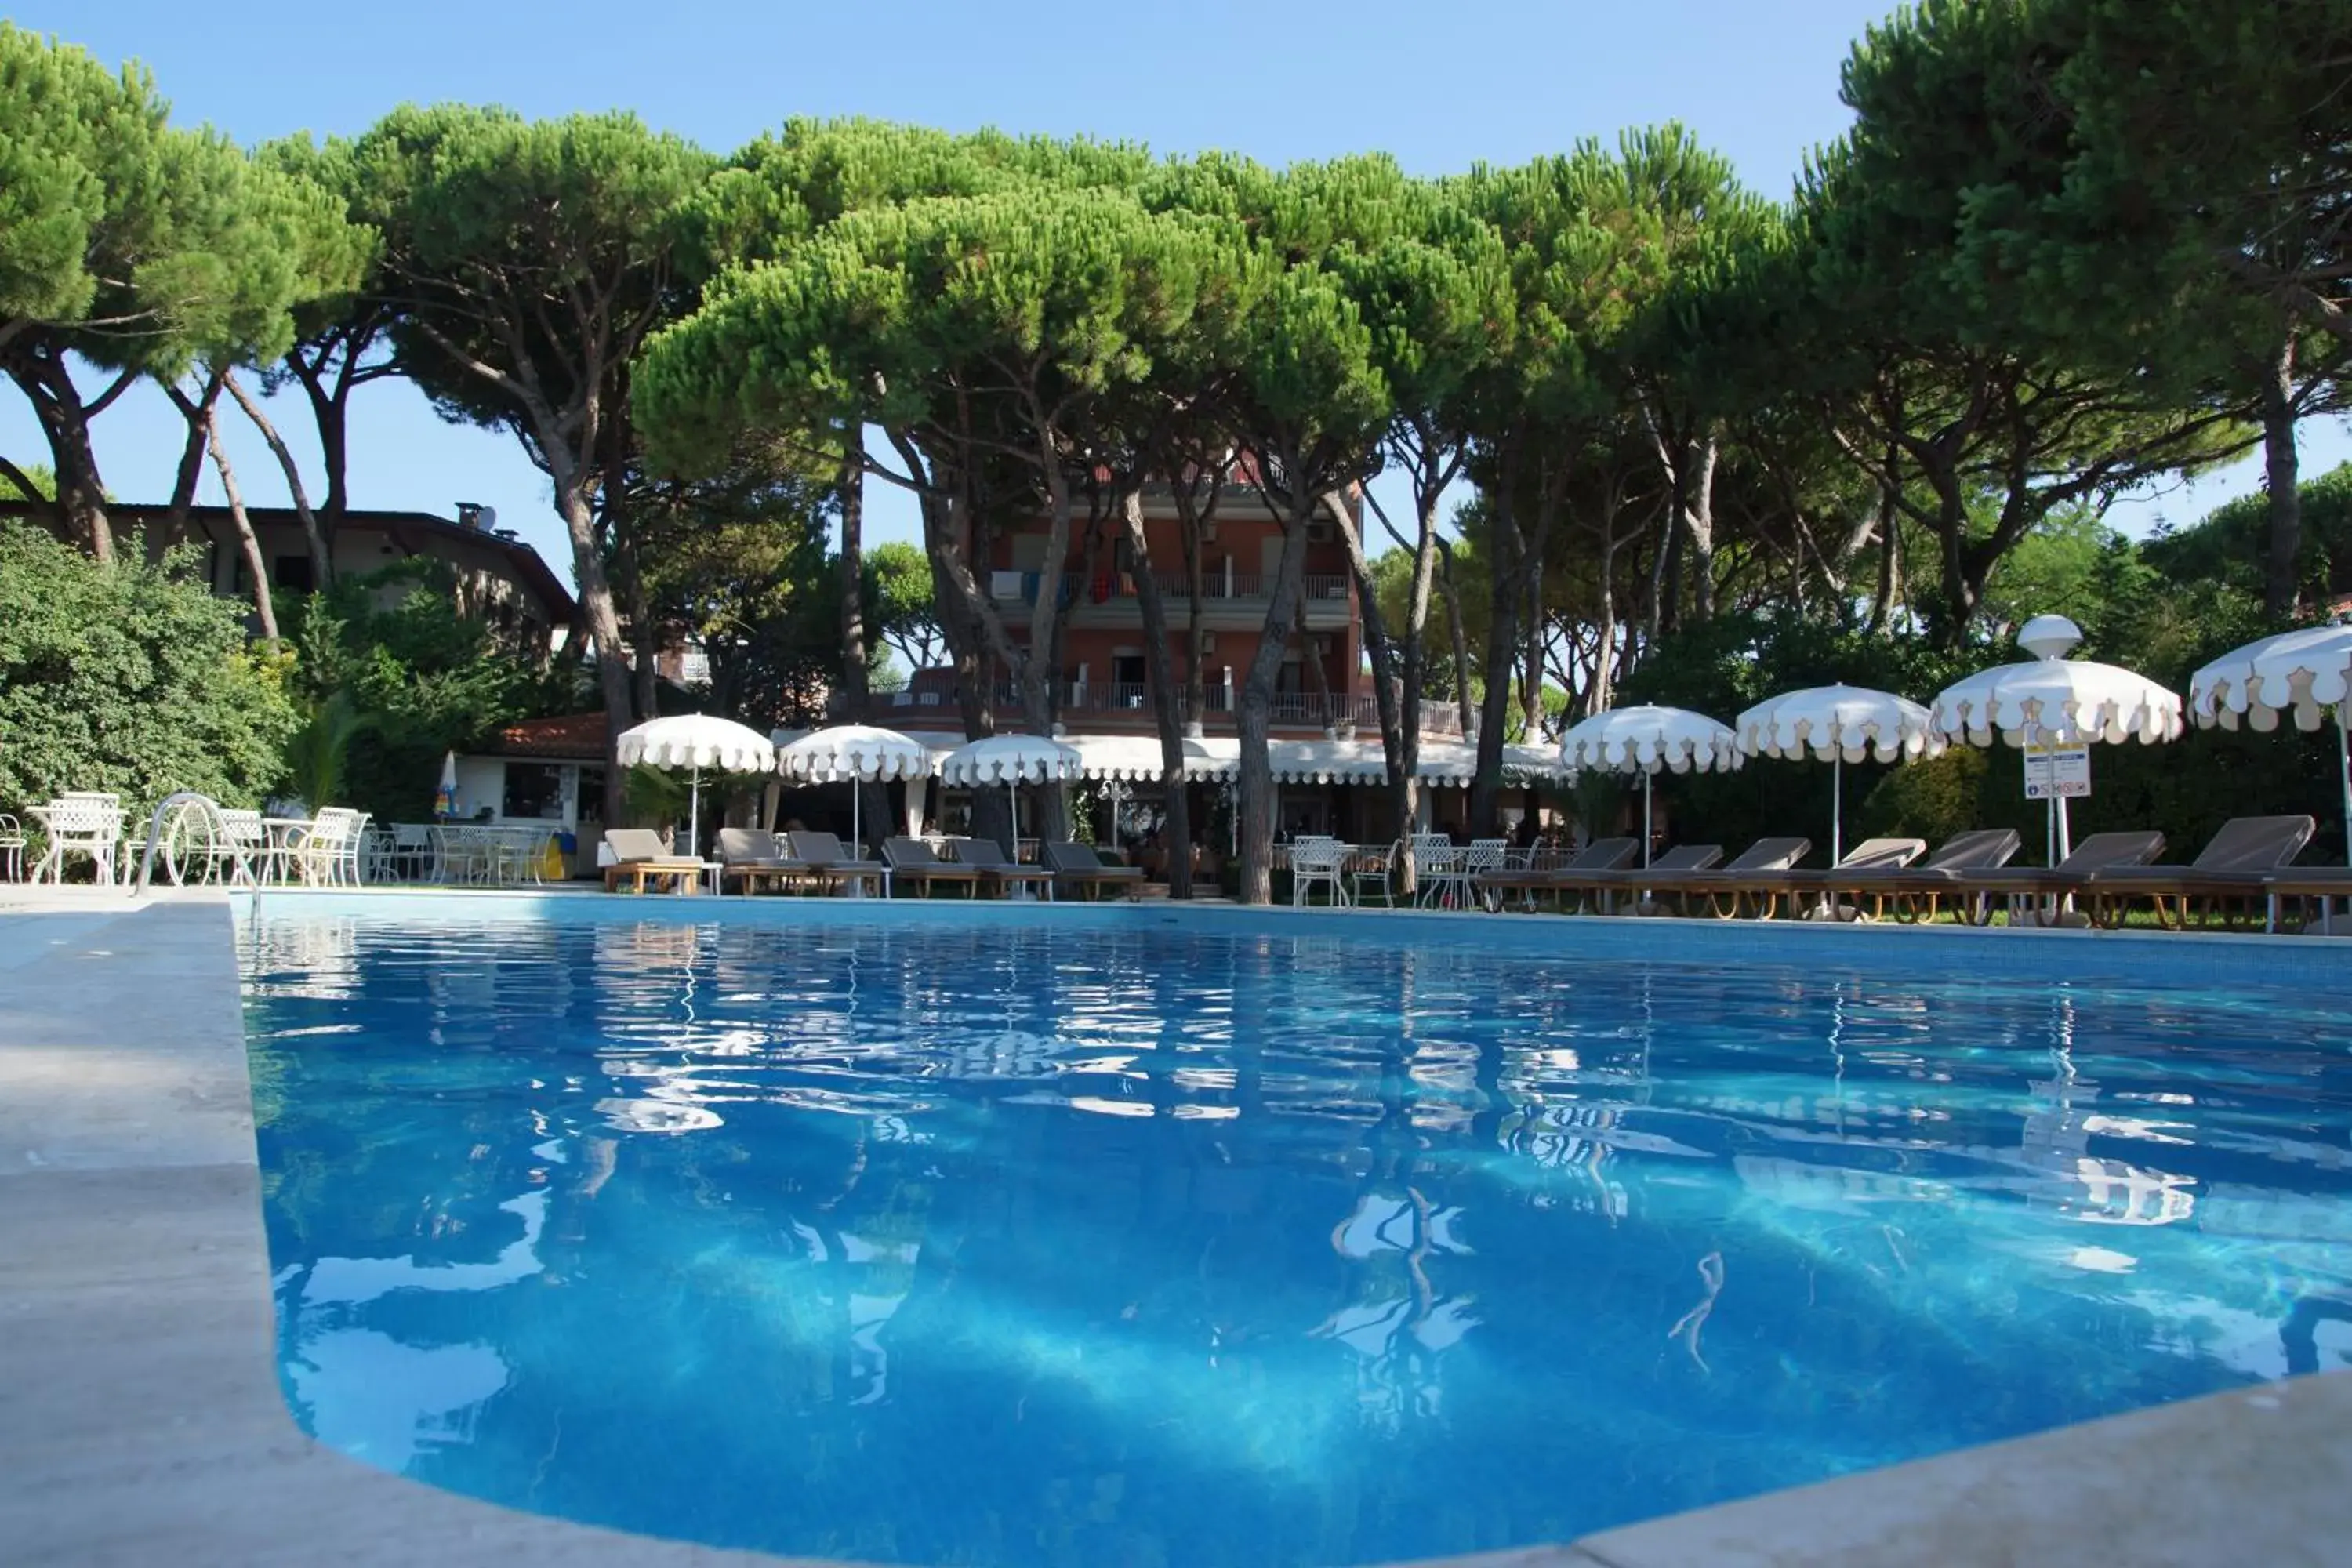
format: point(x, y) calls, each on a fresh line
point(639, 858)
point(1604, 883)
point(1600, 855)
point(2233, 869)
point(1798, 890)
point(1918, 892)
point(826, 861)
point(2308, 884)
point(914, 861)
point(988, 857)
point(749, 856)
point(2017, 884)
point(1721, 893)
point(1078, 865)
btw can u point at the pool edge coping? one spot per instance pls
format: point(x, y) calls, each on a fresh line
point(2266, 1483)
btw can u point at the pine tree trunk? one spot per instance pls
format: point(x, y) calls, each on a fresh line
point(1400, 737)
point(573, 488)
point(1167, 701)
point(2281, 585)
point(1255, 719)
point(1698, 525)
point(850, 489)
point(191, 470)
point(42, 374)
point(255, 567)
point(1465, 713)
point(322, 565)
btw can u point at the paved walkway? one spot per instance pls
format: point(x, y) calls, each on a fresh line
point(141, 1420)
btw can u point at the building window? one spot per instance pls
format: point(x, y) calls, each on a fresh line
point(592, 795)
point(290, 572)
point(534, 793)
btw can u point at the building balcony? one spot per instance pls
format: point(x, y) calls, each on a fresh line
point(1228, 600)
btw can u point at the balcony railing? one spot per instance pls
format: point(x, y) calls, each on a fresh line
point(1086, 700)
point(1224, 587)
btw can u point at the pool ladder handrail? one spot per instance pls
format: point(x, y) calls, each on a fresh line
point(208, 809)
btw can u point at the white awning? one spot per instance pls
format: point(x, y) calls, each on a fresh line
point(1449, 762)
point(1136, 758)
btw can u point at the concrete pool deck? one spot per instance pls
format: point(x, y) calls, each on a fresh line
point(140, 1419)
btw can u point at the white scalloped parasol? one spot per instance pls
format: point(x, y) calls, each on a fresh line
point(2052, 700)
point(1839, 724)
point(2306, 673)
point(1645, 739)
point(695, 740)
point(854, 753)
point(1011, 761)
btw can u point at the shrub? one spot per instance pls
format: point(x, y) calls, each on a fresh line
point(129, 676)
point(417, 677)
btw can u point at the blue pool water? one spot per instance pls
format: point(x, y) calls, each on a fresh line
point(1085, 1242)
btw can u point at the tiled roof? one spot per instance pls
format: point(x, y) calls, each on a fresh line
point(576, 737)
point(412, 530)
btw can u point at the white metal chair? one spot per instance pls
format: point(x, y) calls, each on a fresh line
point(376, 856)
point(1435, 859)
point(239, 849)
point(1314, 861)
point(412, 850)
point(11, 849)
point(351, 868)
point(454, 854)
point(318, 857)
point(83, 823)
point(1484, 855)
point(1372, 869)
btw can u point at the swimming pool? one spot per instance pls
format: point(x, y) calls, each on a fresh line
point(1088, 1238)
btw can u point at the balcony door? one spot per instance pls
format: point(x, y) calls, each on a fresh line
point(1129, 687)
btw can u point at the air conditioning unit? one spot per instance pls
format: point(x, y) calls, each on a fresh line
point(1209, 531)
point(1318, 531)
point(1208, 642)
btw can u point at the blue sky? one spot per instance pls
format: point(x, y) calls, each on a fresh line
point(1441, 87)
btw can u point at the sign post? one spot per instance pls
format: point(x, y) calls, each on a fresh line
point(2058, 773)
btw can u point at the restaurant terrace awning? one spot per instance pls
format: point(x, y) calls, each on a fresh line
point(1134, 758)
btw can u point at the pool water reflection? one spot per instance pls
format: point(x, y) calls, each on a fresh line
point(997, 1245)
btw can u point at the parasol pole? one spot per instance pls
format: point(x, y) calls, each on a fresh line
point(1837, 805)
point(856, 822)
point(1645, 819)
point(694, 815)
point(2343, 771)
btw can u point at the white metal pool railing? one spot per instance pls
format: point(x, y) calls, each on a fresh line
point(187, 827)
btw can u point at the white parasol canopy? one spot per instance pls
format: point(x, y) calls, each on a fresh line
point(1839, 724)
point(1011, 761)
point(2052, 700)
point(1645, 739)
point(2306, 673)
point(854, 753)
point(695, 740)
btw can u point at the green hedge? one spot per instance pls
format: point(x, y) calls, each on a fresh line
point(129, 677)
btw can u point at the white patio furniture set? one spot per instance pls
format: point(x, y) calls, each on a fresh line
point(1351, 874)
point(223, 844)
point(473, 854)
